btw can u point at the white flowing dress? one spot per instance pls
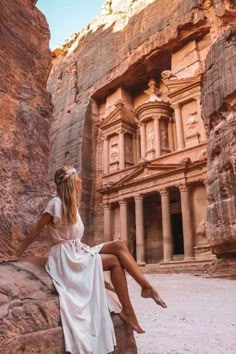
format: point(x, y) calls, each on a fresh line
point(77, 274)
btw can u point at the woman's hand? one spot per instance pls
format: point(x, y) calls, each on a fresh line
point(9, 259)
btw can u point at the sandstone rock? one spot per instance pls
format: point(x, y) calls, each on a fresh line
point(25, 110)
point(223, 268)
point(219, 103)
point(29, 313)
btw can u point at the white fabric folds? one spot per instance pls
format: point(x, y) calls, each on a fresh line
point(77, 274)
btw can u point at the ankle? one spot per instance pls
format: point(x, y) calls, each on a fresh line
point(147, 287)
point(128, 312)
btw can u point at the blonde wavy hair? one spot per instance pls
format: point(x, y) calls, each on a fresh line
point(69, 190)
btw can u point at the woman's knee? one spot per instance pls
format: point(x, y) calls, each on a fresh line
point(110, 261)
point(115, 261)
point(119, 245)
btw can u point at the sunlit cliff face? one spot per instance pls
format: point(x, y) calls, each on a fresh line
point(123, 5)
point(114, 13)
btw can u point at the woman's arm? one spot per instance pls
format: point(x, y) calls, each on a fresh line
point(33, 234)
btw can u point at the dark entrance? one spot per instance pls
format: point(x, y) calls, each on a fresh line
point(177, 233)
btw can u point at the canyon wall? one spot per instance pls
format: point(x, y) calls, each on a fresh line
point(29, 307)
point(126, 45)
point(219, 113)
point(25, 110)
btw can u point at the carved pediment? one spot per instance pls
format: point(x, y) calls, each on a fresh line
point(148, 170)
point(118, 115)
point(175, 85)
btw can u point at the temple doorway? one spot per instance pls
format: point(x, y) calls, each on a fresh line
point(177, 234)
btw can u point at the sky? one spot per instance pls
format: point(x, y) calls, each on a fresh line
point(68, 16)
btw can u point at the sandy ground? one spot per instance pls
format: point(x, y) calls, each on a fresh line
point(200, 319)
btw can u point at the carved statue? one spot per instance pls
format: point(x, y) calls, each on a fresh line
point(164, 138)
point(150, 140)
point(129, 150)
point(192, 120)
point(153, 92)
point(114, 153)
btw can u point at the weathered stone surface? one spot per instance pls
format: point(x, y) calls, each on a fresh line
point(25, 110)
point(29, 313)
point(219, 104)
point(223, 268)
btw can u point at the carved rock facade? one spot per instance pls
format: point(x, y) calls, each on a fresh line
point(128, 115)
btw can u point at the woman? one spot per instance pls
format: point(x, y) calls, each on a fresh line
point(77, 273)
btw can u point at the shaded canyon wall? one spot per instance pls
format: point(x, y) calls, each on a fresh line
point(25, 111)
point(219, 113)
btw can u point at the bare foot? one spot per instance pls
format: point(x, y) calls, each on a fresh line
point(131, 319)
point(153, 294)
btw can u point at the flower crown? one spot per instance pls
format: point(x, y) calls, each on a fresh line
point(65, 175)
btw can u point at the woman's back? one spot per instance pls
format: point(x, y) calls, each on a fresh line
point(58, 230)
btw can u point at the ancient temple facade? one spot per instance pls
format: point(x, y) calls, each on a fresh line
point(128, 115)
point(151, 168)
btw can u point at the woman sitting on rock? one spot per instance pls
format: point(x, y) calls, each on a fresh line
point(77, 273)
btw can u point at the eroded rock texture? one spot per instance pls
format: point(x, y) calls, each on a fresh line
point(219, 104)
point(29, 313)
point(25, 111)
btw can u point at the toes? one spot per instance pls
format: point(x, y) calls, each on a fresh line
point(162, 303)
point(140, 331)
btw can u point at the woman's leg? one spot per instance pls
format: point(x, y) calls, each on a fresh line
point(119, 249)
point(111, 262)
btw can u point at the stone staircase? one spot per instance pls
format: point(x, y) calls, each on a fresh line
point(195, 267)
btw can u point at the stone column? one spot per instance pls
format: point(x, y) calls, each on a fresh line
point(143, 140)
point(134, 149)
point(203, 133)
point(121, 149)
point(106, 155)
point(107, 222)
point(137, 148)
point(166, 225)
point(179, 126)
point(170, 135)
point(174, 133)
point(140, 252)
point(123, 219)
point(187, 222)
point(157, 137)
